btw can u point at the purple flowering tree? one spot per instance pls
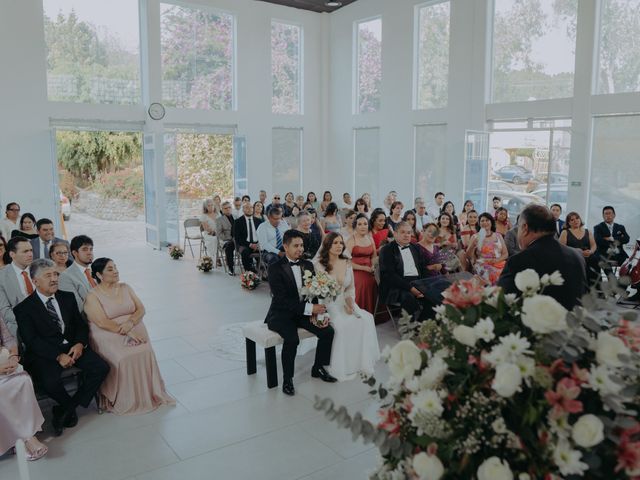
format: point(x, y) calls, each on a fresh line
point(285, 68)
point(369, 65)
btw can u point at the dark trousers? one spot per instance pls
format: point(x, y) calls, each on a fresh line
point(413, 305)
point(245, 255)
point(288, 330)
point(94, 371)
point(269, 258)
point(228, 248)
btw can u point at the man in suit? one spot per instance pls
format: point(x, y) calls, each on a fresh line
point(56, 338)
point(77, 278)
point(556, 211)
point(46, 238)
point(610, 235)
point(401, 262)
point(245, 233)
point(224, 232)
point(544, 254)
point(15, 282)
point(288, 312)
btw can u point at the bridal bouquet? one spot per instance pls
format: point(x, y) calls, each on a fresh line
point(249, 280)
point(176, 252)
point(321, 286)
point(205, 264)
point(498, 387)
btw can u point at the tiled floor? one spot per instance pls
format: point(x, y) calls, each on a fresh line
point(226, 425)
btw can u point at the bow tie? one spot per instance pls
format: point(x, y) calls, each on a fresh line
point(404, 248)
point(295, 264)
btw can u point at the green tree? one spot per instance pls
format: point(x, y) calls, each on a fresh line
point(433, 71)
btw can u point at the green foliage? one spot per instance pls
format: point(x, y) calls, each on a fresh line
point(126, 184)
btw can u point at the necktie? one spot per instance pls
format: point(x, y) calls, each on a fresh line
point(51, 310)
point(250, 228)
point(27, 283)
point(45, 251)
point(278, 239)
point(92, 282)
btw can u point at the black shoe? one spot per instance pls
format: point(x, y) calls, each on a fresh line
point(58, 420)
point(231, 273)
point(322, 374)
point(287, 388)
point(70, 419)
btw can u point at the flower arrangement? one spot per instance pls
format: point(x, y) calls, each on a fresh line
point(205, 264)
point(176, 252)
point(249, 280)
point(320, 286)
point(498, 387)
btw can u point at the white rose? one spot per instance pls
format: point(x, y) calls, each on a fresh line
point(608, 348)
point(404, 359)
point(507, 380)
point(427, 467)
point(465, 335)
point(494, 469)
point(543, 314)
point(528, 281)
point(588, 431)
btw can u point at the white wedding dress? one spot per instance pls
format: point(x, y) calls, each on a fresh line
point(355, 344)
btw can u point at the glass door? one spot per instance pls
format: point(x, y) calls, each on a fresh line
point(170, 189)
point(151, 217)
point(476, 168)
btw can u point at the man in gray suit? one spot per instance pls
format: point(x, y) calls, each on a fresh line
point(224, 232)
point(77, 278)
point(15, 281)
point(46, 238)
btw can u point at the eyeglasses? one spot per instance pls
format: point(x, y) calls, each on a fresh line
point(276, 198)
point(14, 210)
point(61, 253)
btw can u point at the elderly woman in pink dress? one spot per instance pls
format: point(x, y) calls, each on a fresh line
point(20, 415)
point(134, 384)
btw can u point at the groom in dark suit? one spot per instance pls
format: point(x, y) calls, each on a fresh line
point(56, 338)
point(288, 311)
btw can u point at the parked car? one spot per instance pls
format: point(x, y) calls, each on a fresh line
point(558, 193)
point(513, 201)
point(65, 206)
point(500, 185)
point(514, 174)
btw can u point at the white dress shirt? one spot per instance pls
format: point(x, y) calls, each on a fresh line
point(422, 220)
point(21, 280)
point(6, 227)
point(55, 305)
point(252, 235)
point(410, 269)
point(434, 212)
point(267, 235)
point(297, 274)
point(44, 248)
point(236, 213)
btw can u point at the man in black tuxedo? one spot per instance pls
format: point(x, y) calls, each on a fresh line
point(401, 262)
point(288, 311)
point(245, 233)
point(544, 254)
point(56, 338)
point(556, 211)
point(609, 234)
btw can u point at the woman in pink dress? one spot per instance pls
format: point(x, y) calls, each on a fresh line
point(487, 250)
point(134, 384)
point(363, 255)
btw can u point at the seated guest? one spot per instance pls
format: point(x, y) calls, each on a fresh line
point(208, 224)
point(400, 263)
point(378, 228)
point(236, 211)
point(20, 415)
point(346, 201)
point(262, 197)
point(610, 235)
point(274, 203)
point(245, 233)
point(288, 311)
point(454, 256)
point(395, 215)
point(422, 217)
point(217, 203)
point(258, 212)
point(450, 208)
point(59, 254)
point(316, 226)
point(511, 239)
point(556, 211)
point(5, 259)
point(503, 224)
point(224, 232)
point(544, 254)
point(289, 205)
point(313, 200)
point(270, 236)
point(327, 198)
point(435, 209)
point(487, 251)
point(15, 282)
point(331, 222)
point(431, 251)
point(246, 199)
point(347, 229)
point(46, 236)
point(77, 278)
point(363, 256)
point(27, 227)
point(468, 206)
point(416, 202)
point(367, 199)
point(497, 203)
point(469, 229)
point(362, 207)
point(10, 222)
point(56, 337)
point(410, 217)
point(311, 241)
point(134, 384)
point(300, 202)
point(577, 236)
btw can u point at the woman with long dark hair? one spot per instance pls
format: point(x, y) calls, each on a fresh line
point(363, 257)
point(378, 228)
point(487, 250)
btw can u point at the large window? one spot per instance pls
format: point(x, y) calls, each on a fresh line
point(93, 51)
point(286, 157)
point(430, 159)
point(533, 49)
point(366, 148)
point(619, 52)
point(197, 57)
point(432, 51)
point(368, 65)
point(615, 177)
point(286, 68)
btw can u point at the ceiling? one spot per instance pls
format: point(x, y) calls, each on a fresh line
point(312, 5)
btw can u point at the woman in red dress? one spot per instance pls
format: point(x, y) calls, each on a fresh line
point(379, 228)
point(363, 255)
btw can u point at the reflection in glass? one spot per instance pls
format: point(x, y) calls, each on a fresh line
point(286, 150)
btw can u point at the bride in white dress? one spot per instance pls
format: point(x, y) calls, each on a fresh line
point(355, 344)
